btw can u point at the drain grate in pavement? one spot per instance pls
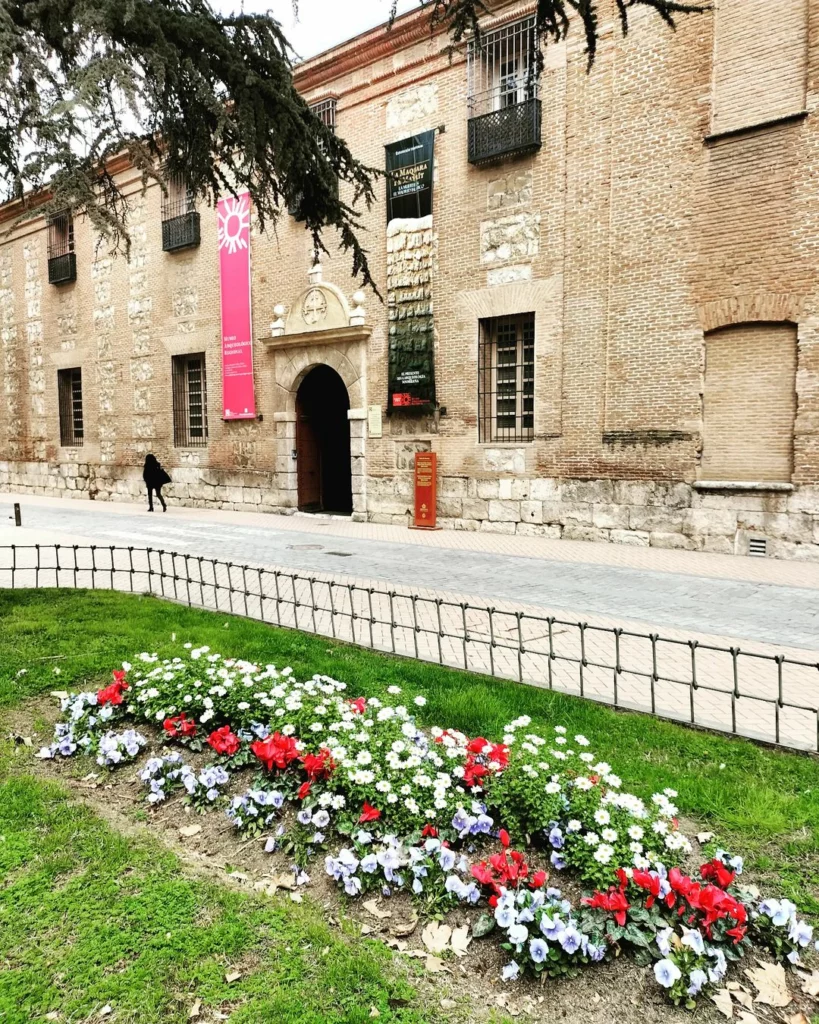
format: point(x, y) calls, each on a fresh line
point(341, 554)
point(305, 547)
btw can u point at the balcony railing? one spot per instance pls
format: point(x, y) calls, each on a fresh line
point(510, 126)
point(63, 268)
point(180, 232)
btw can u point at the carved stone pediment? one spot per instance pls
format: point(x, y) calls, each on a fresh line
point(321, 313)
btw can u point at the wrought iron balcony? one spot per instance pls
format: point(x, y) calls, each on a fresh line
point(62, 268)
point(181, 232)
point(511, 128)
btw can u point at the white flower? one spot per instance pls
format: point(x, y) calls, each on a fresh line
point(420, 701)
point(603, 853)
point(581, 741)
point(609, 834)
point(635, 832)
point(393, 689)
point(561, 729)
point(602, 817)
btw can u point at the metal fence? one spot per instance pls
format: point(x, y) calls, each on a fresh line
point(758, 694)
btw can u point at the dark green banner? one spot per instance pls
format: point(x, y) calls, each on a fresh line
point(409, 176)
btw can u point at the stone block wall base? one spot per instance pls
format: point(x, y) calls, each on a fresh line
point(640, 513)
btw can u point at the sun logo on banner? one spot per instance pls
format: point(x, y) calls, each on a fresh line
point(232, 219)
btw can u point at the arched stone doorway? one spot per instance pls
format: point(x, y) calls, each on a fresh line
point(323, 443)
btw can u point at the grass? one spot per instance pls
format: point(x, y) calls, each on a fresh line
point(761, 802)
point(89, 918)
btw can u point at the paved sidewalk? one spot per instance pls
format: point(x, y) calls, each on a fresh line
point(730, 598)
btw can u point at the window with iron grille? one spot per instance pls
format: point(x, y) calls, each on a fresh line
point(69, 393)
point(506, 378)
point(62, 260)
point(325, 111)
point(190, 401)
point(180, 218)
point(504, 109)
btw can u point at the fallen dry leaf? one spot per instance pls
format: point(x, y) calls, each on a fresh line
point(435, 965)
point(59, 694)
point(798, 1018)
point(190, 830)
point(460, 940)
point(374, 1011)
point(233, 976)
point(722, 1000)
point(448, 1004)
point(366, 929)
point(285, 880)
point(810, 984)
point(436, 936)
point(743, 997)
point(748, 1018)
point(371, 906)
point(771, 984)
point(195, 1010)
point(403, 928)
point(704, 837)
point(106, 1010)
point(398, 944)
point(54, 1015)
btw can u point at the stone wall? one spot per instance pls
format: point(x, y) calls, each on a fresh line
point(634, 512)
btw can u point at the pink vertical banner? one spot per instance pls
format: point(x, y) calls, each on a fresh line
point(233, 220)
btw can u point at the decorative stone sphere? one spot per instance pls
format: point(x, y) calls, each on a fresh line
point(279, 310)
point(359, 298)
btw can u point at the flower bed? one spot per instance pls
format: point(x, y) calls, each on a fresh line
point(450, 819)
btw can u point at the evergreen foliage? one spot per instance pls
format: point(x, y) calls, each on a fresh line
point(188, 93)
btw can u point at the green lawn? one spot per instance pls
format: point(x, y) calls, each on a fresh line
point(762, 803)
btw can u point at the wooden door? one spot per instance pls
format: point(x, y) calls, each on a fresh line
point(308, 459)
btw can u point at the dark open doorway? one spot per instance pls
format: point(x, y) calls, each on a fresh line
point(323, 443)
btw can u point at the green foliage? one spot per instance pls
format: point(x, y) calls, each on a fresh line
point(775, 821)
point(209, 98)
point(89, 918)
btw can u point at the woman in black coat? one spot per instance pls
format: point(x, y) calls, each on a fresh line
point(155, 479)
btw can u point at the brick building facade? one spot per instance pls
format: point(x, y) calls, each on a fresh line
point(616, 281)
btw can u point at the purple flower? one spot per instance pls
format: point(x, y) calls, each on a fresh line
point(570, 940)
point(556, 838)
point(667, 973)
point(696, 980)
point(552, 927)
point(558, 863)
point(510, 972)
point(518, 934)
point(538, 951)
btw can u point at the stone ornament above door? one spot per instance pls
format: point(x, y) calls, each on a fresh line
point(320, 315)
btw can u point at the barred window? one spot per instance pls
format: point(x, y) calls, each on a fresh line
point(62, 260)
point(506, 378)
point(180, 218)
point(69, 393)
point(503, 68)
point(190, 401)
point(325, 111)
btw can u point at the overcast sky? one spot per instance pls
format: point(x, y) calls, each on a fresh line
point(320, 23)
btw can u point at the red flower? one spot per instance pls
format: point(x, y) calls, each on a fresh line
point(429, 831)
point(276, 751)
point(645, 880)
point(474, 772)
point(181, 725)
point(369, 813)
point(113, 694)
point(737, 933)
point(614, 902)
point(320, 765)
point(477, 745)
point(503, 836)
point(304, 789)
point(500, 754)
point(715, 871)
point(539, 879)
point(224, 741)
point(358, 705)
